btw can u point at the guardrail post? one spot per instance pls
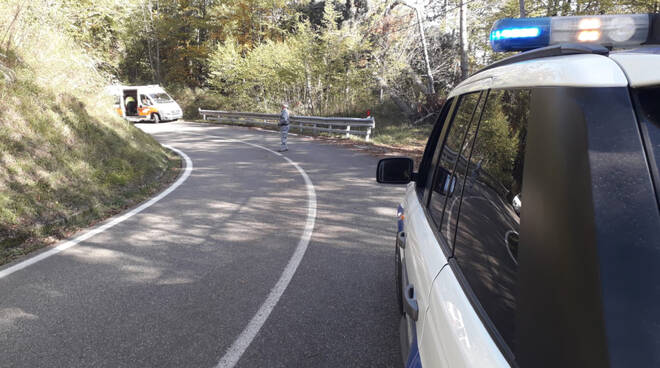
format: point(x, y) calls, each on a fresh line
point(373, 125)
point(316, 132)
point(348, 131)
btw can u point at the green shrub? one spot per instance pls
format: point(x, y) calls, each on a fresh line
point(192, 99)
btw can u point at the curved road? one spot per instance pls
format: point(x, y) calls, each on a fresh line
point(177, 284)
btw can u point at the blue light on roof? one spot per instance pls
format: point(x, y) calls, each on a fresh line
point(520, 34)
point(528, 32)
point(612, 31)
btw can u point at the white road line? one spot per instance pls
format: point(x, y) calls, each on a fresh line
point(236, 350)
point(70, 243)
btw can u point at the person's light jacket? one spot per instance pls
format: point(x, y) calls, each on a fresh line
point(284, 117)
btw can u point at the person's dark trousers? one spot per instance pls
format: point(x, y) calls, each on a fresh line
point(132, 108)
point(284, 132)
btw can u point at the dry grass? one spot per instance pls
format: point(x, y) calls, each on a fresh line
point(62, 166)
point(404, 136)
point(66, 159)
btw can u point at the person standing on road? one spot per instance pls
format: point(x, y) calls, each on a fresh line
point(284, 127)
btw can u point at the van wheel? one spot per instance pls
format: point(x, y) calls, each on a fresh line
point(155, 118)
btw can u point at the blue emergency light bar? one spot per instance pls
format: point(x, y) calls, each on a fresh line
point(522, 34)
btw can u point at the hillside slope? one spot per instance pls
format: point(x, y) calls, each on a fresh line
point(66, 160)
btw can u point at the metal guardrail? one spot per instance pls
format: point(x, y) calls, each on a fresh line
point(314, 123)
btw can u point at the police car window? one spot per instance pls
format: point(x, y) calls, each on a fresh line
point(452, 205)
point(487, 234)
point(431, 146)
point(444, 183)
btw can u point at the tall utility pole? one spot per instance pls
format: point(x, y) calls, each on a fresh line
point(522, 9)
point(429, 74)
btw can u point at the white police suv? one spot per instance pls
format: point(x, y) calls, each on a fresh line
point(530, 235)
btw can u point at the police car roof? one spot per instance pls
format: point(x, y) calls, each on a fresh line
point(570, 66)
point(642, 66)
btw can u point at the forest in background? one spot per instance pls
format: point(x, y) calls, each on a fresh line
point(333, 57)
point(68, 159)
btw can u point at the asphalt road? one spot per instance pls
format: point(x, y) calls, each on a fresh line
point(176, 284)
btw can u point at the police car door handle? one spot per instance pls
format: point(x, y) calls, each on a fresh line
point(410, 305)
point(401, 239)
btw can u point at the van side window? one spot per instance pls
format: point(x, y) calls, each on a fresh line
point(425, 166)
point(443, 181)
point(144, 100)
point(487, 234)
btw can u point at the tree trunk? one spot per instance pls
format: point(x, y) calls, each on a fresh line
point(445, 16)
point(566, 7)
point(158, 75)
point(404, 107)
point(8, 35)
point(150, 32)
point(463, 39)
point(265, 99)
point(430, 88)
point(308, 88)
point(552, 7)
point(429, 75)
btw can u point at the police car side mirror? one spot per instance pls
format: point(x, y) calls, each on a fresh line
point(395, 170)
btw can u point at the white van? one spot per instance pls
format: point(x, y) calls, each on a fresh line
point(148, 103)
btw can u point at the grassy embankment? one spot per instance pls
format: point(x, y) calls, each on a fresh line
point(393, 129)
point(65, 160)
